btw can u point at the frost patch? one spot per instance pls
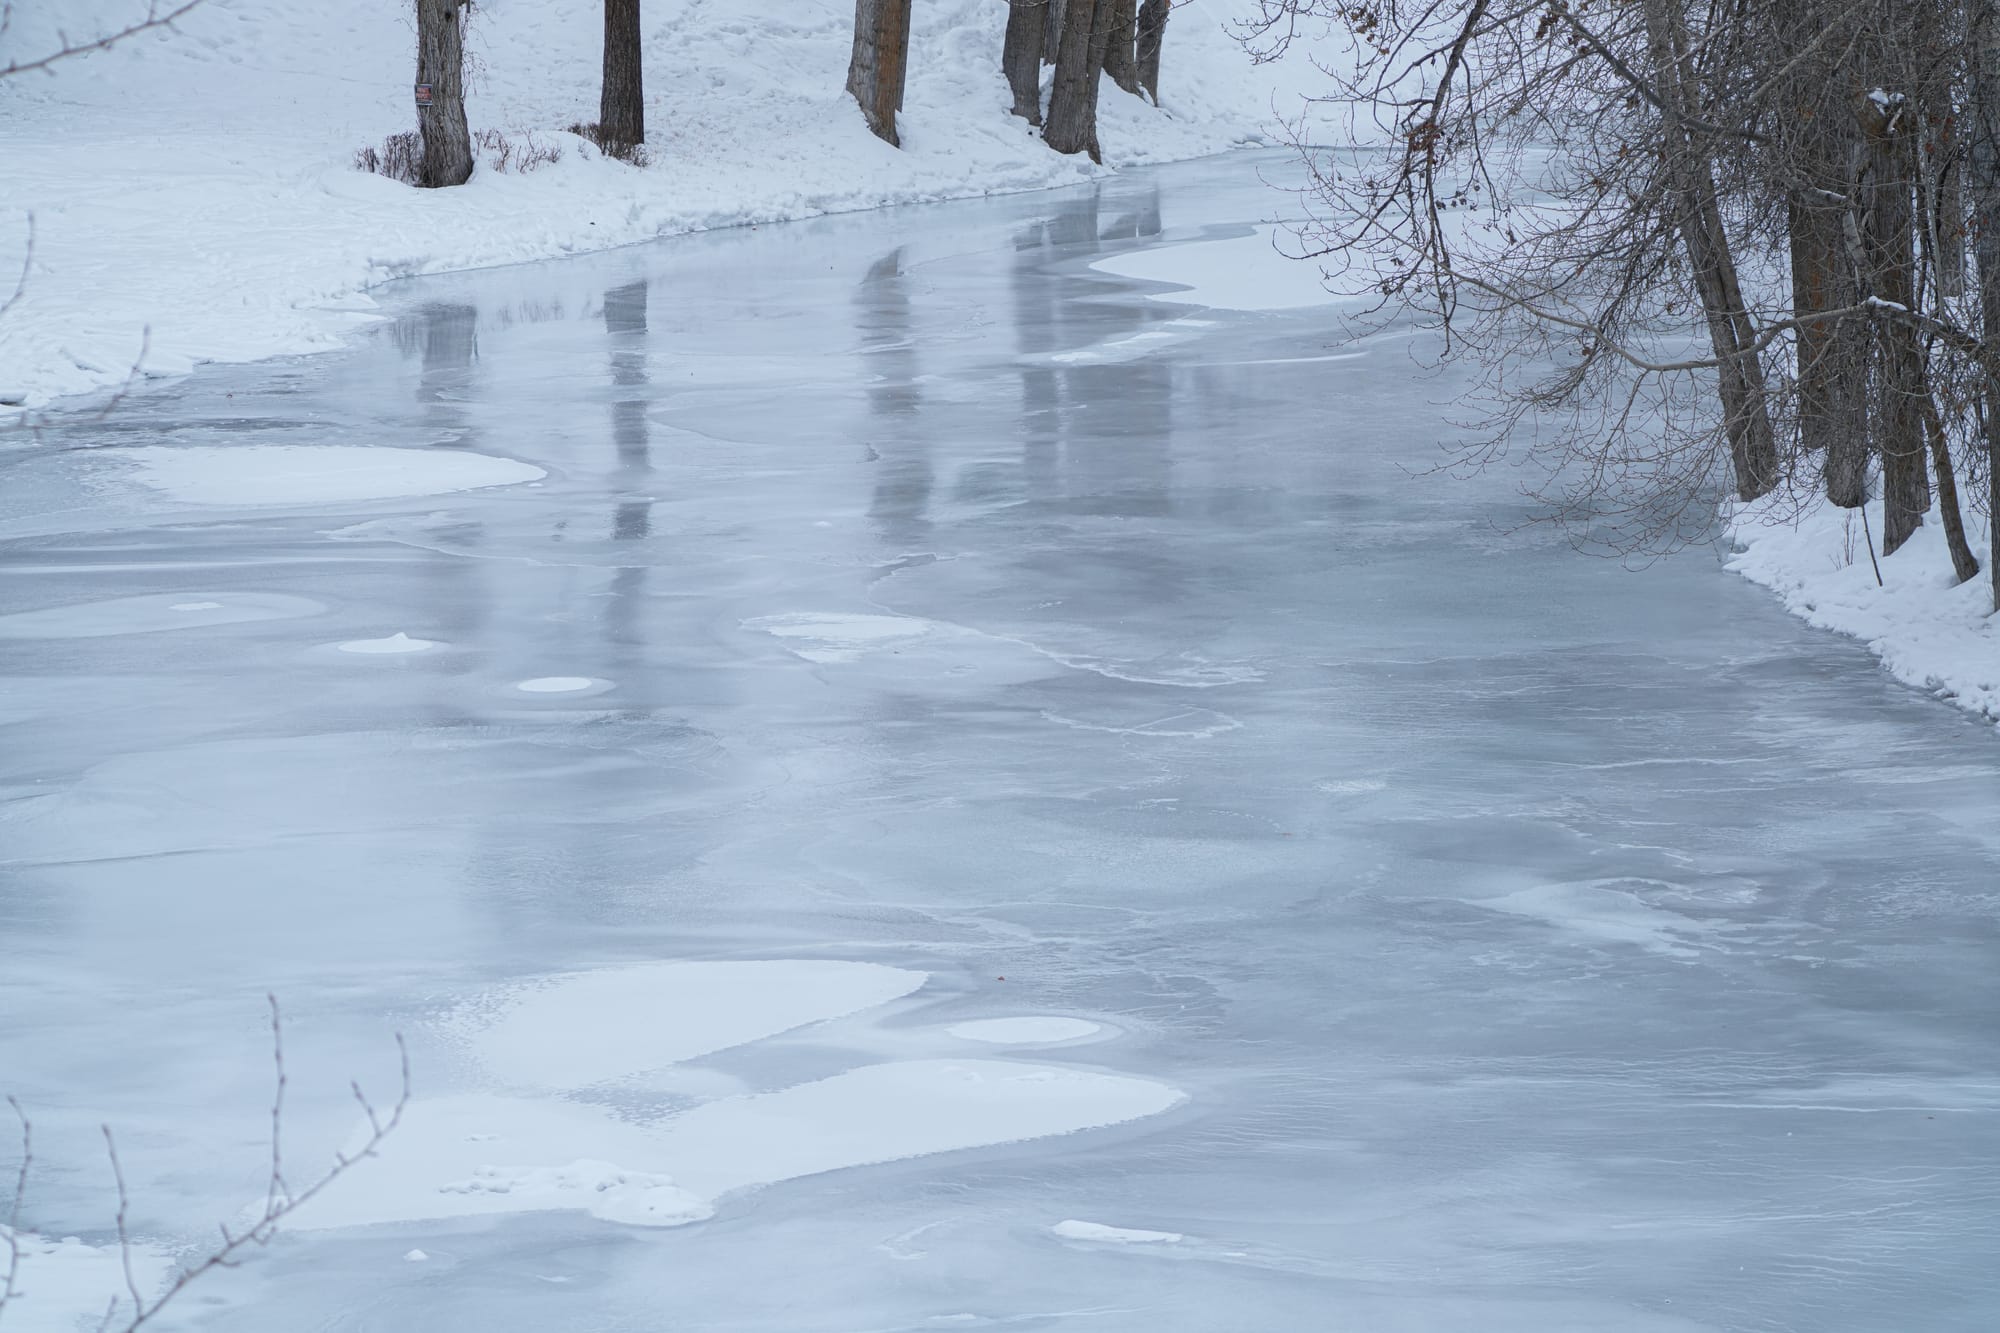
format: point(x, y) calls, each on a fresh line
point(1097, 1231)
point(398, 642)
point(1601, 914)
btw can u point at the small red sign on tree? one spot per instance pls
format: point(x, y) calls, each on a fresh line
point(425, 94)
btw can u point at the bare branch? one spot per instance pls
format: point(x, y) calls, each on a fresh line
point(13, 1225)
point(155, 18)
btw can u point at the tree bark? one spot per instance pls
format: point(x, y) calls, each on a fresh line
point(1072, 123)
point(1833, 356)
point(1021, 56)
point(621, 108)
point(1052, 29)
point(1963, 562)
point(1121, 60)
point(1983, 184)
point(1746, 417)
point(1151, 32)
point(881, 53)
point(1819, 140)
point(447, 158)
point(1888, 243)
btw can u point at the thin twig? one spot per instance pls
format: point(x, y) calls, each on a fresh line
point(155, 18)
point(13, 1226)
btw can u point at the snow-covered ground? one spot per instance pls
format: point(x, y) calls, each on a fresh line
point(1930, 631)
point(199, 183)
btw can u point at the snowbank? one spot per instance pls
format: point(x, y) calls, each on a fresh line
point(1928, 632)
point(198, 184)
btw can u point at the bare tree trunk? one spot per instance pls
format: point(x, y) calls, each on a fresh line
point(1746, 417)
point(1833, 356)
point(1888, 240)
point(1817, 150)
point(1151, 31)
point(1983, 182)
point(1052, 29)
point(1121, 60)
point(1943, 182)
point(1963, 562)
point(881, 52)
point(1072, 123)
point(447, 158)
point(621, 108)
point(1021, 56)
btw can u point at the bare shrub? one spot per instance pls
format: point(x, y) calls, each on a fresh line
point(398, 158)
point(634, 153)
point(514, 153)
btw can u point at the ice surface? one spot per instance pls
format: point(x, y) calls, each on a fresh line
point(572, 1031)
point(888, 1112)
point(152, 613)
point(295, 474)
point(1025, 1031)
point(1252, 272)
point(1481, 936)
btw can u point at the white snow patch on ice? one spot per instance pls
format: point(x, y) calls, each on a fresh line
point(555, 684)
point(889, 1112)
point(575, 1030)
point(416, 1257)
point(1097, 1231)
point(66, 1284)
point(637, 1198)
point(440, 1162)
point(1039, 1030)
point(1243, 273)
point(305, 474)
point(398, 642)
point(146, 615)
point(1929, 632)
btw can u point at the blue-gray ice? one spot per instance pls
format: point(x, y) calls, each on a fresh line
point(1539, 946)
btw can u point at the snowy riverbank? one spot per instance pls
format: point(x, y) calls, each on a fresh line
point(1929, 633)
point(193, 191)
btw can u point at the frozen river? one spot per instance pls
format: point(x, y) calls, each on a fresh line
point(926, 743)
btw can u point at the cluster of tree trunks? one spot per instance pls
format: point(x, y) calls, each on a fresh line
point(1082, 39)
point(1854, 142)
point(441, 125)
